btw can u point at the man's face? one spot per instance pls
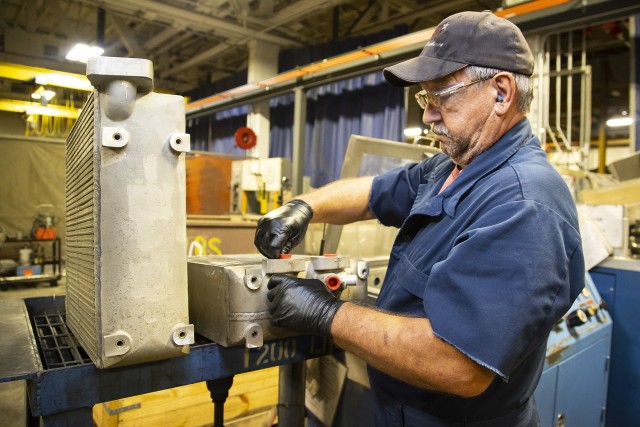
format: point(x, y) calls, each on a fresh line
point(460, 119)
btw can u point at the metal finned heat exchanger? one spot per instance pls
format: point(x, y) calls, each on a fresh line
point(126, 218)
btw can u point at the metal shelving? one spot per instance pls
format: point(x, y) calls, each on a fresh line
point(54, 260)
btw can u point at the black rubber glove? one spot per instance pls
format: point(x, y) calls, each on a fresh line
point(281, 230)
point(305, 306)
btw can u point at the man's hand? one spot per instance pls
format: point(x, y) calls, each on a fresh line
point(281, 230)
point(305, 306)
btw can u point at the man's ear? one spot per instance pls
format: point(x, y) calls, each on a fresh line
point(505, 86)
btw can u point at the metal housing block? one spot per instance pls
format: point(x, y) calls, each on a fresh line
point(126, 219)
point(228, 294)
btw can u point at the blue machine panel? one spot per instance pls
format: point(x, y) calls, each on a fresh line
point(573, 387)
point(618, 281)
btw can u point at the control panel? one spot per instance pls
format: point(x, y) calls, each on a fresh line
point(573, 387)
point(587, 314)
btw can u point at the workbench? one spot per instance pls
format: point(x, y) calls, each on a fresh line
point(63, 385)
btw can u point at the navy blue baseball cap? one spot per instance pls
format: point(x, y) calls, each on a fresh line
point(466, 38)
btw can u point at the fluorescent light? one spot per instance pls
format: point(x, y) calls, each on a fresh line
point(619, 122)
point(82, 52)
point(29, 108)
point(412, 132)
point(68, 80)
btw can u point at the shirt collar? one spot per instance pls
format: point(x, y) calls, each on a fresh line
point(485, 163)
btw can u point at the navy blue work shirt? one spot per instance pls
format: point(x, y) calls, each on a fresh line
point(493, 262)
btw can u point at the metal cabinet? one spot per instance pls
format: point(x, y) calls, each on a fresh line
point(618, 281)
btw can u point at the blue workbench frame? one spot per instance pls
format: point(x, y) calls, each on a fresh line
point(66, 396)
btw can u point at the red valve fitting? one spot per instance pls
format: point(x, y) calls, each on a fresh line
point(332, 282)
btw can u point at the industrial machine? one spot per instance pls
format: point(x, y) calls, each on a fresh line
point(257, 185)
point(126, 218)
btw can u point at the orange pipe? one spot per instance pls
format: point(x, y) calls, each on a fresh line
point(529, 7)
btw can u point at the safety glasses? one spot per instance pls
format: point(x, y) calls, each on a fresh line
point(426, 98)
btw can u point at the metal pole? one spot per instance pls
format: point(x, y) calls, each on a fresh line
point(219, 390)
point(291, 409)
point(299, 127)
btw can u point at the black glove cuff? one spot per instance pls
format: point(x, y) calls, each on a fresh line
point(324, 325)
point(304, 205)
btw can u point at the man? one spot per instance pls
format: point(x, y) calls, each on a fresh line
point(488, 256)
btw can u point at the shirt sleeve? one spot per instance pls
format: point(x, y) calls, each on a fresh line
point(393, 193)
point(506, 281)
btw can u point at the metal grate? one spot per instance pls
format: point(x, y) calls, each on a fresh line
point(58, 346)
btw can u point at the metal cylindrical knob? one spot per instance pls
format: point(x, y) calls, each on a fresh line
point(577, 318)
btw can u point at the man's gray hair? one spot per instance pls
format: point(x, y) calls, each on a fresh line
point(524, 84)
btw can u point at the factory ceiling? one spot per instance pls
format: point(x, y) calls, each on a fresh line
point(193, 42)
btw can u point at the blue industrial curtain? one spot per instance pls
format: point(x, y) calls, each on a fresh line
point(364, 105)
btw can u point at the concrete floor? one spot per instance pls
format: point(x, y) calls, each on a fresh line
point(12, 398)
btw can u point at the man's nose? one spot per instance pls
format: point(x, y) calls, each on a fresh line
point(431, 114)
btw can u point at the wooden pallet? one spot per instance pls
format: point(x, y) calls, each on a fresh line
point(252, 401)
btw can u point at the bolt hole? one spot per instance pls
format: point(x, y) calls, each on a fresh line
point(120, 343)
point(376, 281)
point(254, 280)
point(178, 141)
point(117, 136)
point(182, 335)
point(254, 334)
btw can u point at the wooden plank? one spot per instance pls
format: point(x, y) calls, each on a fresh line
point(625, 192)
point(251, 400)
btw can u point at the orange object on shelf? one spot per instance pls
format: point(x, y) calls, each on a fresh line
point(42, 233)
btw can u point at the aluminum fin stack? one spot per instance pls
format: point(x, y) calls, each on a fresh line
point(126, 218)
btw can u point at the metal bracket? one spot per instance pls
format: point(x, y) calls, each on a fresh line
point(362, 269)
point(253, 336)
point(253, 278)
point(114, 137)
point(180, 142)
point(117, 344)
point(183, 334)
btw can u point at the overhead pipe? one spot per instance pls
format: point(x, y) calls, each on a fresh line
point(340, 67)
point(371, 58)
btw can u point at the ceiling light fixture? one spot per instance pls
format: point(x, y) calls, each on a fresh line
point(30, 108)
point(617, 122)
point(82, 52)
point(68, 80)
point(43, 93)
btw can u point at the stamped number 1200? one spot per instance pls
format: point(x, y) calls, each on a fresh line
point(273, 352)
